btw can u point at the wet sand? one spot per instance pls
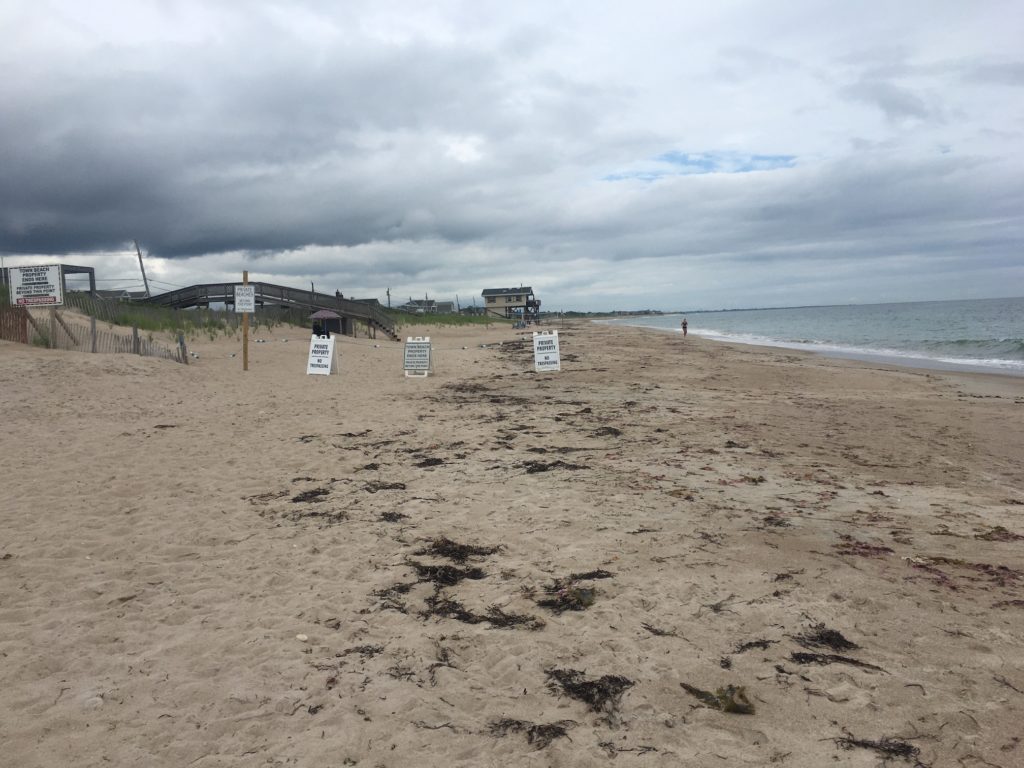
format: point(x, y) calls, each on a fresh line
point(206, 567)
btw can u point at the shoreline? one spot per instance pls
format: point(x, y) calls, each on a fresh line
point(247, 566)
point(914, 362)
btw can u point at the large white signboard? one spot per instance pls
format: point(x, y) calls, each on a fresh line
point(417, 356)
point(321, 355)
point(545, 351)
point(36, 286)
point(245, 298)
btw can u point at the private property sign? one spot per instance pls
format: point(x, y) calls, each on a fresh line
point(321, 355)
point(545, 351)
point(245, 298)
point(417, 356)
point(36, 286)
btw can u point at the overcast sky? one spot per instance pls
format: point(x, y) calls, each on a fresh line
point(612, 155)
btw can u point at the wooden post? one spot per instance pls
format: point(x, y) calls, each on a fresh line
point(182, 349)
point(92, 332)
point(245, 329)
point(53, 329)
point(64, 325)
point(136, 344)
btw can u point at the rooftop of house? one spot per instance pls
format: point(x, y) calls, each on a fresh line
point(505, 291)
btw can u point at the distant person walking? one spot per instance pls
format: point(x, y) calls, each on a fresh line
point(683, 326)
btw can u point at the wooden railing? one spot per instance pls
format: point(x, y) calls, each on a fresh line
point(280, 295)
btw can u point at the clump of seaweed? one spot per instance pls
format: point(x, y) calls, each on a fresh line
point(532, 467)
point(658, 632)
point(445, 607)
point(887, 747)
point(498, 619)
point(570, 598)
point(536, 733)
point(1000, 575)
point(731, 699)
point(851, 546)
point(751, 644)
point(445, 575)
point(312, 497)
point(602, 695)
point(820, 636)
point(566, 594)
point(390, 599)
point(392, 517)
point(451, 550)
point(326, 518)
point(366, 651)
point(831, 658)
point(1009, 603)
point(999, 533)
point(376, 485)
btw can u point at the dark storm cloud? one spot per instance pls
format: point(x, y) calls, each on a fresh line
point(210, 157)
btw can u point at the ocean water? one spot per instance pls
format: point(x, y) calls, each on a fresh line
point(979, 335)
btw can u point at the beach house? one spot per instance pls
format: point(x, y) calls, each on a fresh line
point(517, 303)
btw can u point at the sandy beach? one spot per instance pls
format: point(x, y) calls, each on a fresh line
point(670, 553)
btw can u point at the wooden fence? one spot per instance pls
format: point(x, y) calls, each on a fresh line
point(54, 332)
point(14, 324)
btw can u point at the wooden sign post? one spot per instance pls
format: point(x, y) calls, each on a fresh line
point(245, 302)
point(245, 328)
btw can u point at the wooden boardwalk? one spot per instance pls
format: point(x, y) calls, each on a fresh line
point(268, 294)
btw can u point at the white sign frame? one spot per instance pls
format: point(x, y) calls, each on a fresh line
point(37, 286)
point(418, 364)
point(245, 298)
point(546, 354)
point(321, 356)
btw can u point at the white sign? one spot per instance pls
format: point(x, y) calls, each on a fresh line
point(321, 355)
point(545, 351)
point(36, 286)
point(417, 356)
point(245, 298)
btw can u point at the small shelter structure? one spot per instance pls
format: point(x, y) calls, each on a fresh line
point(326, 322)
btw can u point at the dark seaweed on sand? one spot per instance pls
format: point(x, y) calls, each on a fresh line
point(602, 694)
point(831, 658)
point(850, 546)
point(888, 748)
point(451, 550)
point(820, 636)
point(312, 496)
point(572, 578)
point(390, 596)
point(533, 467)
point(445, 607)
point(430, 462)
point(572, 598)
point(392, 517)
point(536, 733)
point(375, 486)
point(751, 644)
point(498, 619)
point(445, 575)
point(731, 699)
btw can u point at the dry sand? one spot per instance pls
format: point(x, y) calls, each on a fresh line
point(167, 597)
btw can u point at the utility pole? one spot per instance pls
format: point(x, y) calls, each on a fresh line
point(145, 282)
point(389, 297)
